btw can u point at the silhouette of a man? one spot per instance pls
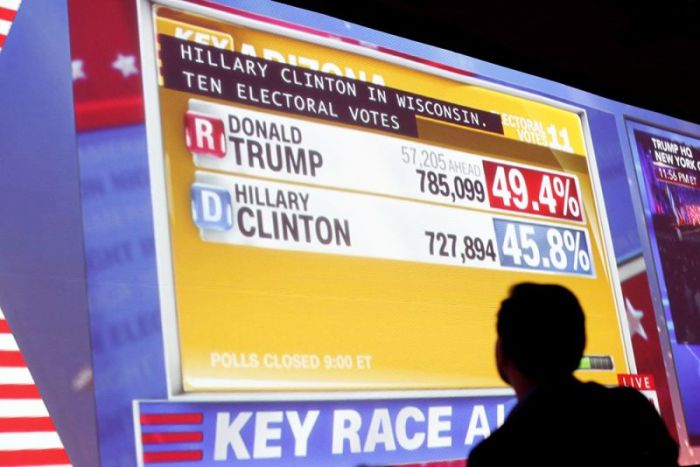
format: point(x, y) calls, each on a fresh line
point(558, 419)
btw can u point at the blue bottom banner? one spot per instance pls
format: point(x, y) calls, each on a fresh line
point(315, 433)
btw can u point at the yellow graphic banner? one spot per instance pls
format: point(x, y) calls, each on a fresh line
point(343, 221)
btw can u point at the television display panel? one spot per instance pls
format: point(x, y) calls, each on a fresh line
point(669, 181)
point(330, 217)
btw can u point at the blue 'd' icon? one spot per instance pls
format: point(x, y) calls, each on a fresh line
point(211, 207)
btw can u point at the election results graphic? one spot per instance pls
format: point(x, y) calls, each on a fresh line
point(327, 219)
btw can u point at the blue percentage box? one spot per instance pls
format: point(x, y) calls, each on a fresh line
point(541, 247)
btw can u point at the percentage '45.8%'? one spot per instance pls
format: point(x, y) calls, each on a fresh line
point(543, 247)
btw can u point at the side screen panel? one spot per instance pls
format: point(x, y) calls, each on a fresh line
point(669, 173)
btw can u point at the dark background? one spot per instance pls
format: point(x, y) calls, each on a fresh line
point(638, 53)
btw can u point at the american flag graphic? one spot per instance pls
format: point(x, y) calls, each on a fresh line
point(27, 434)
point(8, 11)
point(106, 74)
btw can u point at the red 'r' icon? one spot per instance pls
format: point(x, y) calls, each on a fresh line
point(204, 135)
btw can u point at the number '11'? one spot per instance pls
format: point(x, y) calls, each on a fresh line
point(564, 134)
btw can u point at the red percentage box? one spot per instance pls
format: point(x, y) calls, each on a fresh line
point(532, 191)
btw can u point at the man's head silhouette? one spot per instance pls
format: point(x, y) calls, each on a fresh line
point(541, 335)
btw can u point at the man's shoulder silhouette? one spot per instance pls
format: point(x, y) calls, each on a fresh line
point(558, 419)
point(573, 423)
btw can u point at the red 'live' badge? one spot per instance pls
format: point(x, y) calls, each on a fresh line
point(640, 382)
point(204, 135)
point(644, 383)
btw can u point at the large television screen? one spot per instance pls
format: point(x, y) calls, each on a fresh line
point(347, 224)
point(236, 231)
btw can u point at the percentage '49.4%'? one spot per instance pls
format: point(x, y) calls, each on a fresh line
point(533, 191)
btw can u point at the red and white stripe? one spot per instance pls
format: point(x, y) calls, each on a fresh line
point(162, 445)
point(27, 434)
point(8, 11)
